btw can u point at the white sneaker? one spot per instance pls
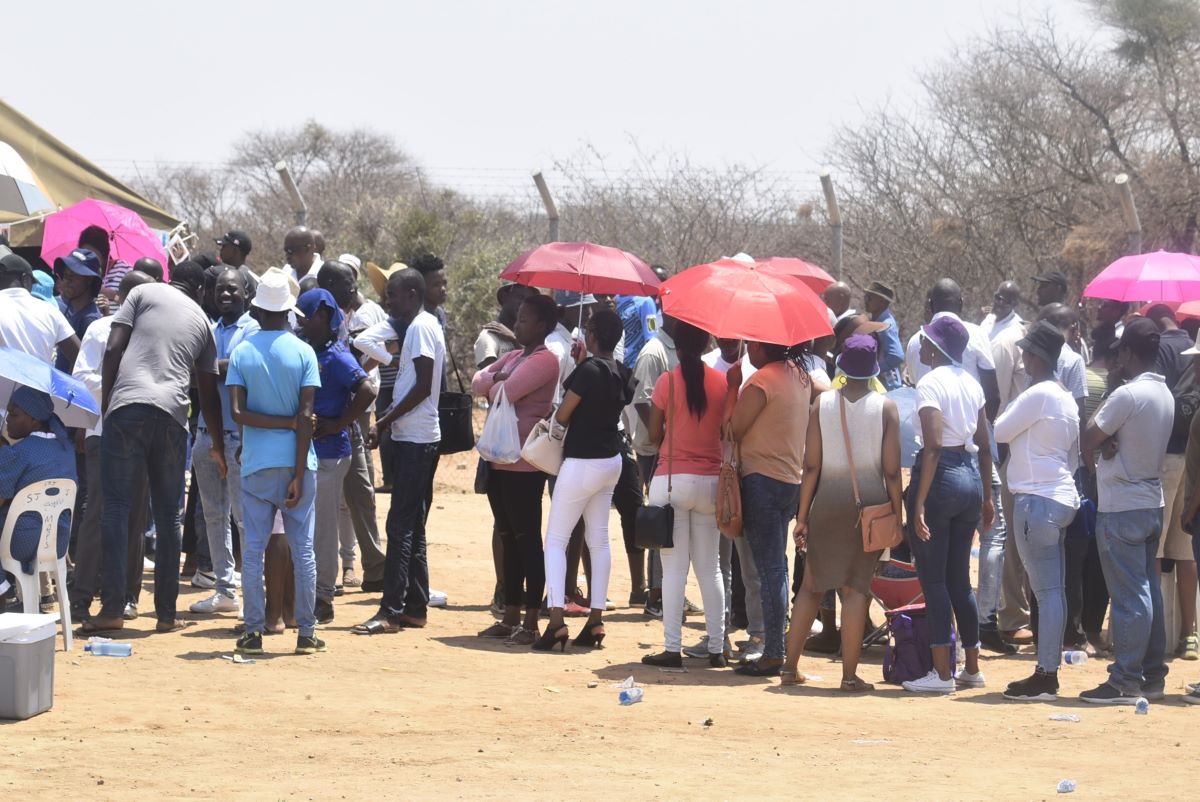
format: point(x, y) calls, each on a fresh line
point(930, 683)
point(216, 603)
point(204, 581)
point(964, 679)
point(237, 579)
point(438, 598)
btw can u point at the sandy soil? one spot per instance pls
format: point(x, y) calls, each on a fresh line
point(441, 713)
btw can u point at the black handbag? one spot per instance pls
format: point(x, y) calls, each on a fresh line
point(454, 416)
point(655, 526)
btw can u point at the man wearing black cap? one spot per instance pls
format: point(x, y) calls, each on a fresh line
point(235, 247)
point(27, 323)
point(878, 300)
point(1051, 287)
point(77, 276)
point(1124, 445)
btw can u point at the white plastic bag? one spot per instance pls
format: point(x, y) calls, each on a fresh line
point(500, 441)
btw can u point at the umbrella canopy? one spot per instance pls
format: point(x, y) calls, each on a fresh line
point(735, 299)
point(1158, 276)
point(22, 197)
point(813, 277)
point(73, 402)
point(129, 237)
point(583, 267)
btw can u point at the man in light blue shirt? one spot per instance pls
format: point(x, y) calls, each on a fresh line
point(272, 379)
point(877, 300)
point(221, 496)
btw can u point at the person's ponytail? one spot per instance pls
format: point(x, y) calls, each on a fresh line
point(690, 344)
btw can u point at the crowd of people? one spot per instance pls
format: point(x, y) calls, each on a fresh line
point(240, 409)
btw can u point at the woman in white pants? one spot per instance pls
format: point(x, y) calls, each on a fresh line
point(595, 395)
point(686, 412)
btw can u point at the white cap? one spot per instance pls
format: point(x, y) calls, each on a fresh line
point(277, 292)
point(352, 260)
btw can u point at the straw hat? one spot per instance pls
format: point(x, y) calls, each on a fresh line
point(379, 276)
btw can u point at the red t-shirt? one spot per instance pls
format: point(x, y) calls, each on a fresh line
point(697, 442)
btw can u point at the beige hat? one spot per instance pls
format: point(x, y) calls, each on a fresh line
point(277, 292)
point(379, 277)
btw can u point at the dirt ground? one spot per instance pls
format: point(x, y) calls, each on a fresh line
point(440, 713)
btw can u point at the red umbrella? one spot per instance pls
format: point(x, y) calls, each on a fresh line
point(743, 300)
point(583, 267)
point(813, 277)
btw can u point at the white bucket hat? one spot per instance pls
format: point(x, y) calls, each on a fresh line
point(352, 260)
point(277, 292)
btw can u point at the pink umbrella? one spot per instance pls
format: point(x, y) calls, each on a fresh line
point(1158, 276)
point(583, 267)
point(814, 277)
point(129, 237)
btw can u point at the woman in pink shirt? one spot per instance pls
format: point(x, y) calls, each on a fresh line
point(528, 376)
point(686, 413)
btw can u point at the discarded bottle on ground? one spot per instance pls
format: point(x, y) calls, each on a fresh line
point(1075, 658)
point(1141, 706)
point(1066, 786)
point(631, 696)
point(109, 649)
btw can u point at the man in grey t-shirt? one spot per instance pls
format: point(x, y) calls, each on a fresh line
point(159, 338)
point(1131, 431)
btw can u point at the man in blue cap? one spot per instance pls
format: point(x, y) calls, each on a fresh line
point(78, 277)
point(344, 395)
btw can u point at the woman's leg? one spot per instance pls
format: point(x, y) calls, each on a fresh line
point(854, 621)
point(498, 493)
point(958, 563)
point(1040, 539)
point(602, 479)
point(566, 505)
point(705, 547)
point(804, 612)
point(931, 558)
point(525, 518)
point(769, 505)
point(675, 560)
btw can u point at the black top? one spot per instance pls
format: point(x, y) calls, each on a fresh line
point(1173, 366)
point(605, 388)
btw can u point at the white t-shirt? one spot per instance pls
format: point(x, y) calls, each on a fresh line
point(31, 325)
point(90, 361)
point(422, 339)
point(977, 357)
point(959, 397)
point(1072, 372)
point(717, 362)
point(367, 315)
point(1041, 425)
point(558, 342)
point(992, 327)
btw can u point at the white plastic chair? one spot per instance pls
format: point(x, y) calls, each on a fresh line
point(48, 499)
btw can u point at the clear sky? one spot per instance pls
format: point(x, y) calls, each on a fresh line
point(480, 92)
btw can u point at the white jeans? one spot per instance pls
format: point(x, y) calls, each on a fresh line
point(697, 543)
point(584, 488)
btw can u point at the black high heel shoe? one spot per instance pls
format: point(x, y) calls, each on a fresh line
point(551, 638)
point(589, 638)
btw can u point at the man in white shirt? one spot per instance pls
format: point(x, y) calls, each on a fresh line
point(86, 581)
point(300, 250)
point(413, 424)
point(29, 324)
point(1004, 310)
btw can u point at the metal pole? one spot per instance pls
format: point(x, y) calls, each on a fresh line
point(835, 221)
point(1133, 223)
point(299, 208)
point(551, 212)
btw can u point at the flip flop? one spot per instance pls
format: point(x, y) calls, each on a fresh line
point(164, 627)
point(788, 677)
point(375, 626)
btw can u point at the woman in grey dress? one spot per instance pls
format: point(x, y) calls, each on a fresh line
point(828, 522)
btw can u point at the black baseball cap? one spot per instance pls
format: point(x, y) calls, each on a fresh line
point(12, 263)
point(237, 238)
point(1052, 277)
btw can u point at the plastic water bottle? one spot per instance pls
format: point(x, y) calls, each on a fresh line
point(109, 649)
point(1066, 786)
point(1075, 658)
point(1141, 706)
point(631, 696)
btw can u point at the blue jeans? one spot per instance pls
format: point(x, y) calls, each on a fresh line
point(264, 492)
point(768, 507)
point(406, 568)
point(952, 512)
point(218, 499)
point(138, 441)
point(991, 559)
point(1128, 544)
point(1041, 532)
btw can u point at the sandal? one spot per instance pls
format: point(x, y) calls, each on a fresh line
point(498, 630)
point(163, 627)
point(855, 685)
point(376, 626)
point(96, 625)
point(522, 637)
point(789, 676)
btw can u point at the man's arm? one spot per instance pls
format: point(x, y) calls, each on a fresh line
point(363, 398)
point(210, 407)
point(69, 348)
point(423, 365)
point(304, 431)
point(118, 341)
point(1093, 439)
point(244, 417)
point(991, 392)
